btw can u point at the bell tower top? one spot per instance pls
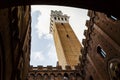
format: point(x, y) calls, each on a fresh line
point(57, 17)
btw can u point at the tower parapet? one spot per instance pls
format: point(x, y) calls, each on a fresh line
point(48, 68)
point(53, 73)
point(57, 16)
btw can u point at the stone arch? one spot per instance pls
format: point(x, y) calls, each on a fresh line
point(78, 77)
point(114, 69)
point(45, 76)
point(39, 77)
point(52, 76)
point(38, 74)
point(59, 76)
point(32, 76)
point(66, 76)
point(72, 76)
point(90, 77)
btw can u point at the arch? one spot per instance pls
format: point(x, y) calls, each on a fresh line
point(72, 76)
point(52, 76)
point(114, 69)
point(91, 4)
point(59, 76)
point(77, 74)
point(45, 76)
point(39, 77)
point(66, 76)
point(38, 74)
point(91, 78)
point(31, 74)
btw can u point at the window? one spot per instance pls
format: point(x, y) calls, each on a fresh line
point(62, 24)
point(65, 19)
point(55, 18)
point(62, 18)
point(114, 67)
point(112, 17)
point(68, 36)
point(58, 18)
point(101, 52)
point(90, 78)
point(51, 20)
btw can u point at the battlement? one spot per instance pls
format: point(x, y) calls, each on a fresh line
point(59, 17)
point(51, 68)
point(54, 73)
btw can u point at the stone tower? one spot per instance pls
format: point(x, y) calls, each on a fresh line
point(67, 45)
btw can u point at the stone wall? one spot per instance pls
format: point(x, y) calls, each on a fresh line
point(15, 37)
point(101, 58)
point(53, 73)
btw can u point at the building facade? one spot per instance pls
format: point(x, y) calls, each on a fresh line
point(67, 45)
point(100, 55)
point(53, 73)
point(15, 38)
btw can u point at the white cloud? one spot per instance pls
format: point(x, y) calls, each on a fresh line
point(52, 55)
point(37, 56)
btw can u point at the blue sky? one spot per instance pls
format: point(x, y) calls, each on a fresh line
point(43, 51)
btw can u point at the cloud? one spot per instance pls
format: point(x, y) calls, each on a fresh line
point(35, 16)
point(42, 26)
point(52, 56)
point(37, 56)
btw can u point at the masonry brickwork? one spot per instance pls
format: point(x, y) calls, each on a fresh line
point(100, 55)
point(53, 73)
point(15, 38)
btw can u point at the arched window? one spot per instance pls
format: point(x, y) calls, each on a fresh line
point(65, 19)
point(66, 76)
point(58, 18)
point(90, 78)
point(114, 70)
point(112, 17)
point(62, 18)
point(55, 18)
point(101, 52)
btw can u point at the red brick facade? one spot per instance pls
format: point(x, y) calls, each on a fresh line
point(101, 58)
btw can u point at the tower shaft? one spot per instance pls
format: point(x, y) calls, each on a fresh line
point(66, 43)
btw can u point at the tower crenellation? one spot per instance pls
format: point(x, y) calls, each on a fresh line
point(57, 16)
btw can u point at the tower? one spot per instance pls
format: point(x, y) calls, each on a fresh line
point(67, 45)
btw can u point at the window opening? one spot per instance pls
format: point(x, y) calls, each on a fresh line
point(62, 24)
point(101, 52)
point(65, 19)
point(112, 17)
point(90, 78)
point(55, 18)
point(68, 36)
point(58, 18)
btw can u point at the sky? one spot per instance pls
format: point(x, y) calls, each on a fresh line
point(43, 50)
